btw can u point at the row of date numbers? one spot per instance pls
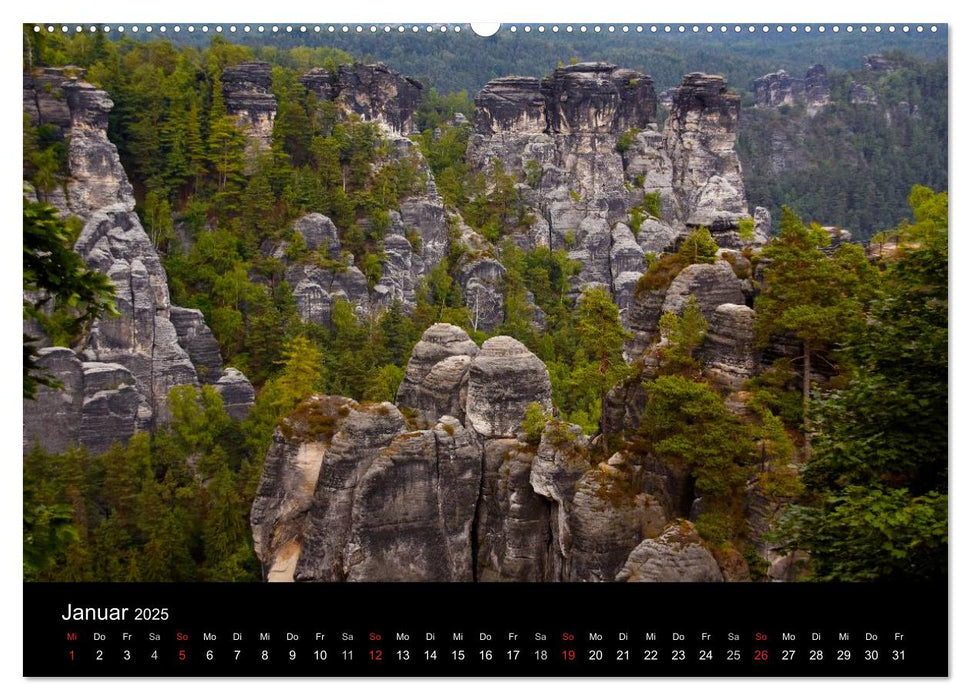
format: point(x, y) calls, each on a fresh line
point(541, 655)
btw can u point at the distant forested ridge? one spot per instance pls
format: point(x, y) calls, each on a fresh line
point(852, 163)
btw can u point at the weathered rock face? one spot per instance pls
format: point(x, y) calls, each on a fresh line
point(513, 537)
point(598, 98)
point(605, 521)
point(286, 489)
point(319, 233)
point(349, 493)
point(98, 404)
point(373, 91)
point(729, 351)
point(778, 89)
point(510, 105)
point(817, 88)
point(677, 556)
point(315, 289)
point(364, 432)
point(199, 342)
point(877, 63)
point(711, 285)
point(585, 145)
point(482, 280)
point(58, 96)
point(436, 378)
point(130, 361)
point(378, 503)
point(237, 393)
point(111, 405)
point(249, 98)
point(142, 338)
point(504, 378)
point(414, 508)
point(701, 140)
point(53, 420)
point(862, 94)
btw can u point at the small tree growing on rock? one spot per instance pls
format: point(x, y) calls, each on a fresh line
point(601, 337)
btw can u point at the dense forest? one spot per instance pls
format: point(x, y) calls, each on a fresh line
point(852, 164)
point(455, 61)
point(173, 505)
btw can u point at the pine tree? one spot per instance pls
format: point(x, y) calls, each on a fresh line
point(811, 296)
point(601, 337)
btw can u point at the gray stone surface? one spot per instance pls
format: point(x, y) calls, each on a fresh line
point(319, 233)
point(514, 521)
point(374, 92)
point(711, 285)
point(237, 393)
point(131, 360)
point(364, 433)
point(247, 90)
point(414, 507)
point(729, 351)
point(700, 134)
point(288, 481)
point(53, 419)
point(442, 394)
point(676, 556)
point(60, 97)
point(197, 340)
point(504, 378)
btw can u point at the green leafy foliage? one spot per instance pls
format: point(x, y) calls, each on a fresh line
point(875, 534)
point(686, 424)
point(626, 140)
point(879, 467)
point(61, 293)
point(601, 338)
point(698, 247)
point(684, 335)
point(171, 506)
point(534, 422)
point(811, 296)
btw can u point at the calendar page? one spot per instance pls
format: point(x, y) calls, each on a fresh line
point(500, 350)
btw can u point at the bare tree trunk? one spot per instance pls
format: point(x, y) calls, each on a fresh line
point(806, 387)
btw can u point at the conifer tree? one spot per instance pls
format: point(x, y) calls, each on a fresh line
point(809, 295)
point(601, 337)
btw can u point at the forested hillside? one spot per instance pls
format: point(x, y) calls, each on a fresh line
point(852, 163)
point(552, 320)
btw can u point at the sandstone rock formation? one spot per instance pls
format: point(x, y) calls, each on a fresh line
point(729, 352)
point(350, 493)
point(59, 97)
point(117, 378)
point(587, 136)
point(436, 378)
point(248, 96)
point(677, 556)
point(504, 378)
point(373, 91)
point(417, 237)
point(778, 89)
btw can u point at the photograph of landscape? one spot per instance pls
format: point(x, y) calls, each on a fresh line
point(409, 306)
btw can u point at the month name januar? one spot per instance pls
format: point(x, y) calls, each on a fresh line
point(74, 613)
